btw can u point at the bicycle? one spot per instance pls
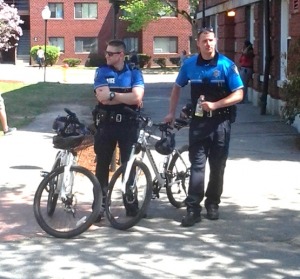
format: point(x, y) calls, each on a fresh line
point(131, 186)
point(69, 197)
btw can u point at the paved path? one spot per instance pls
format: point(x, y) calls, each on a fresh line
point(257, 235)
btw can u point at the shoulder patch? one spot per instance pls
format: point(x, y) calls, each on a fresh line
point(235, 69)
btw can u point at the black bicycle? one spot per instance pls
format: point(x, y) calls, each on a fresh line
point(69, 198)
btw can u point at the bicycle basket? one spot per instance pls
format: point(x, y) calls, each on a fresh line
point(69, 142)
point(166, 144)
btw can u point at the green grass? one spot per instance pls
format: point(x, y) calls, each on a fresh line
point(24, 102)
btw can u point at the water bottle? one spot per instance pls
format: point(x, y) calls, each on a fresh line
point(199, 109)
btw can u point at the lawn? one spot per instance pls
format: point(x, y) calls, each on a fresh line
point(24, 102)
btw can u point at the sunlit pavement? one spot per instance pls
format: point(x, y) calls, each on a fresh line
point(257, 235)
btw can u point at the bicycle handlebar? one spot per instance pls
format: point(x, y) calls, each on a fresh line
point(178, 123)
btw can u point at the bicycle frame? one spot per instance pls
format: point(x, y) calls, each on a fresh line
point(160, 176)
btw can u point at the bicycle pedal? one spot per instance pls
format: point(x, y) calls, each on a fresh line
point(44, 173)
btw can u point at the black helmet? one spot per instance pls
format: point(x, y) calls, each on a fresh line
point(166, 144)
point(65, 126)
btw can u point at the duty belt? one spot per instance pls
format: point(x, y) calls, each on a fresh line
point(223, 112)
point(111, 117)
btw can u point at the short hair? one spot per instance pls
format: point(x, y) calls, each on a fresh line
point(205, 30)
point(117, 43)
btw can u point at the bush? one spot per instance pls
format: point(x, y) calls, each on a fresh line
point(175, 60)
point(72, 62)
point(291, 90)
point(143, 59)
point(160, 61)
point(291, 87)
point(52, 54)
point(95, 60)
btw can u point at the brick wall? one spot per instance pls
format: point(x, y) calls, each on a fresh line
point(103, 28)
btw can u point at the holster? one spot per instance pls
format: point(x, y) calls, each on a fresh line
point(99, 115)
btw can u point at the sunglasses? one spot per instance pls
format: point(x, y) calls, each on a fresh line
point(111, 53)
point(205, 29)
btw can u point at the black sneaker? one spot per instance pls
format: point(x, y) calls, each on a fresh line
point(191, 219)
point(212, 212)
point(133, 213)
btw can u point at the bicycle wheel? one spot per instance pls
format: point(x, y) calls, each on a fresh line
point(74, 211)
point(178, 177)
point(125, 210)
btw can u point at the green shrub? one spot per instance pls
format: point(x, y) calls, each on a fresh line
point(160, 61)
point(291, 87)
point(143, 59)
point(72, 62)
point(95, 60)
point(175, 60)
point(52, 54)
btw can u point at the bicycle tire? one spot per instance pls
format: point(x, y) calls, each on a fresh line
point(178, 171)
point(77, 212)
point(116, 211)
point(52, 197)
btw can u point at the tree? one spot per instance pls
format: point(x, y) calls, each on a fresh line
point(10, 31)
point(139, 13)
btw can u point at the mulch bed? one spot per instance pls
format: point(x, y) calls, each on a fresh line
point(87, 156)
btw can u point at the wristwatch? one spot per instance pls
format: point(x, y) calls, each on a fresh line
point(112, 95)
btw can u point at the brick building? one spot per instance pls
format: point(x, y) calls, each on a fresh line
point(83, 27)
point(249, 23)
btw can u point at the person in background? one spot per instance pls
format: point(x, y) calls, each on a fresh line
point(246, 67)
point(3, 119)
point(40, 57)
point(116, 86)
point(217, 78)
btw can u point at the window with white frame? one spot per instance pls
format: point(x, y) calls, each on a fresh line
point(86, 10)
point(57, 10)
point(86, 45)
point(131, 44)
point(58, 42)
point(165, 45)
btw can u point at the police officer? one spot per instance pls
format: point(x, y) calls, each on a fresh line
point(216, 77)
point(116, 86)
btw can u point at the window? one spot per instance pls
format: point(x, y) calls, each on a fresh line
point(86, 45)
point(131, 43)
point(58, 42)
point(86, 10)
point(165, 45)
point(174, 3)
point(57, 10)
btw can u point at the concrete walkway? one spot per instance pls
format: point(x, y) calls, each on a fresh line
point(257, 235)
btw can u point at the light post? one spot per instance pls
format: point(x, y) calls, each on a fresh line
point(46, 13)
point(203, 14)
